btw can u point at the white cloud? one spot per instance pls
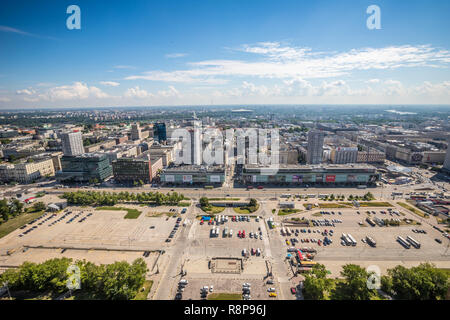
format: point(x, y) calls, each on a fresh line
point(175, 55)
point(110, 83)
point(27, 92)
point(124, 67)
point(137, 92)
point(373, 81)
point(5, 99)
point(284, 62)
point(78, 90)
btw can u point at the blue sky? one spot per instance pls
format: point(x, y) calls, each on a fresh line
point(223, 52)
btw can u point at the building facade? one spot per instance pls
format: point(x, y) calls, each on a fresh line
point(136, 133)
point(27, 172)
point(298, 175)
point(315, 147)
point(345, 155)
point(88, 167)
point(447, 159)
point(160, 132)
point(72, 143)
point(194, 175)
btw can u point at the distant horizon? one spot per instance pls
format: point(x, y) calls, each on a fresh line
point(35, 109)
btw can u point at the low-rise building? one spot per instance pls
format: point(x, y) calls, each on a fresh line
point(88, 167)
point(302, 175)
point(28, 171)
point(144, 168)
point(193, 174)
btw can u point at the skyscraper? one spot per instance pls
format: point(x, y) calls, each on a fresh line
point(160, 132)
point(136, 132)
point(314, 153)
point(72, 143)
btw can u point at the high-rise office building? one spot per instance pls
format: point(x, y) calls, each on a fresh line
point(136, 133)
point(314, 153)
point(72, 143)
point(160, 132)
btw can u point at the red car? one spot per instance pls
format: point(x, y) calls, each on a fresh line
point(239, 234)
point(201, 222)
point(293, 290)
point(243, 234)
point(260, 187)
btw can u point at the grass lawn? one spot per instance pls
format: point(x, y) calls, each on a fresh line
point(328, 205)
point(225, 296)
point(131, 213)
point(245, 210)
point(284, 212)
point(159, 214)
point(413, 210)
point(184, 204)
point(213, 209)
point(17, 222)
point(375, 204)
point(143, 292)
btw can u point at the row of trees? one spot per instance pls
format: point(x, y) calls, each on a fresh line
point(424, 282)
point(117, 281)
point(10, 209)
point(110, 198)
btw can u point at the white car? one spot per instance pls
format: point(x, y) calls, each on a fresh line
point(211, 288)
point(246, 285)
point(271, 290)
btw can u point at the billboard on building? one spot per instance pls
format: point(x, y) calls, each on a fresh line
point(187, 178)
point(351, 178)
point(169, 178)
point(331, 178)
point(214, 178)
point(253, 178)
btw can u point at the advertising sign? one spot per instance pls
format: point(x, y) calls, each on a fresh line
point(331, 178)
point(169, 178)
point(187, 178)
point(215, 179)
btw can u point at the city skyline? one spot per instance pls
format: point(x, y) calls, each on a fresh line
point(223, 53)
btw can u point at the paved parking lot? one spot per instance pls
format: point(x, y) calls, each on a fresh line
point(387, 253)
point(97, 230)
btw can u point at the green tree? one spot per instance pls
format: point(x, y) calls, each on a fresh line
point(39, 206)
point(354, 286)
point(316, 283)
point(424, 282)
point(253, 203)
point(204, 202)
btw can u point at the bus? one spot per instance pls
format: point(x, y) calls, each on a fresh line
point(307, 264)
point(208, 187)
point(288, 231)
point(362, 187)
point(287, 195)
point(352, 240)
point(403, 242)
point(414, 243)
point(371, 241)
